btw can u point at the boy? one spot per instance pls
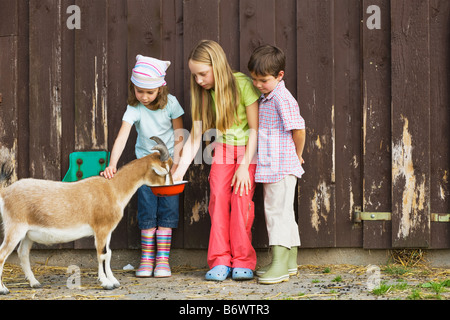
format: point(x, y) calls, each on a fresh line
point(281, 139)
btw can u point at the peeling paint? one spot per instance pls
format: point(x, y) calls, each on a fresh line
point(97, 124)
point(351, 201)
point(199, 209)
point(374, 190)
point(320, 201)
point(404, 177)
point(355, 162)
point(94, 106)
point(442, 186)
point(333, 141)
point(364, 119)
point(318, 143)
point(195, 213)
point(55, 80)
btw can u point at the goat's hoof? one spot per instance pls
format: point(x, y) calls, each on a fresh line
point(35, 285)
point(108, 285)
point(4, 291)
point(115, 283)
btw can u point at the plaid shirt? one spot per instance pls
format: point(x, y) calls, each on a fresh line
point(279, 113)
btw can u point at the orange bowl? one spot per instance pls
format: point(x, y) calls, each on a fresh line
point(170, 190)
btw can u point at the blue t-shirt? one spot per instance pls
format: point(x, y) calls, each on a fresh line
point(151, 123)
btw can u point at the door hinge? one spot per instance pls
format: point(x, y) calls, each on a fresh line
point(360, 216)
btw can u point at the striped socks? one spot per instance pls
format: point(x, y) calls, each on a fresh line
point(163, 241)
point(148, 253)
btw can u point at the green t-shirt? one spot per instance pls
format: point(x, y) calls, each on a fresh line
point(237, 135)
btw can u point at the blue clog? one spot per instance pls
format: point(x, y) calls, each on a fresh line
point(242, 274)
point(218, 273)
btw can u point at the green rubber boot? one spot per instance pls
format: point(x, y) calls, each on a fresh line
point(292, 264)
point(278, 271)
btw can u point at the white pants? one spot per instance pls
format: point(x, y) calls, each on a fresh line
point(281, 225)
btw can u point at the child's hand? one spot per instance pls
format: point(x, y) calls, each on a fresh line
point(109, 172)
point(177, 178)
point(176, 175)
point(241, 181)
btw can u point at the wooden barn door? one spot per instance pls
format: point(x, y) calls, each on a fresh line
point(377, 107)
point(409, 57)
point(375, 100)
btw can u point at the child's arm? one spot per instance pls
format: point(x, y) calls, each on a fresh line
point(241, 179)
point(178, 135)
point(117, 150)
point(299, 137)
point(189, 151)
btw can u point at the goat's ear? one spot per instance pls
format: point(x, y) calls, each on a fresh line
point(160, 171)
point(170, 161)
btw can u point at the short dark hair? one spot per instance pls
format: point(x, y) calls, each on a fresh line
point(267, 60)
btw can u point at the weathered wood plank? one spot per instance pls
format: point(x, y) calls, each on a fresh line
point(376, 137)
point(316, 100)
point(348, 120)
point(45, 103)
point(440, 118)
point(197, 222)
point(9, 101)
point(91, 74)
point(45, 89)
point(23, 89)
point(410, 123)
point(117, 92)
point(91, 78)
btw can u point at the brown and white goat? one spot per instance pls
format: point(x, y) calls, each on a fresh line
point(50, 212)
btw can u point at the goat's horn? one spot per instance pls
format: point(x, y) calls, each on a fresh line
point(161, 147)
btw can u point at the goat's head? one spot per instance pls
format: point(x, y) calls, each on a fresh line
point(160, 173)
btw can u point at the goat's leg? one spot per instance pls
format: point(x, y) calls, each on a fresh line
point(107, 280)
point(11, 239)
point(107, 263)
point(24, 255)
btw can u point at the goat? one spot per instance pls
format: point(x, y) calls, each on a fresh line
point(50, 212)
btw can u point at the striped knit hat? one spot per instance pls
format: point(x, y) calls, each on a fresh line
point(149, 73)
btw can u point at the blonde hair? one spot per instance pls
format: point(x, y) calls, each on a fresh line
point(226, 90)
point(159, 103)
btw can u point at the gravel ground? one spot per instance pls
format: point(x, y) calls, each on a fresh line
point(333, 282)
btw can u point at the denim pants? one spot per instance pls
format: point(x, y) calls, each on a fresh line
point(154, 211)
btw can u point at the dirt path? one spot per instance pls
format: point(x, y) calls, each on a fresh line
point(334, 282)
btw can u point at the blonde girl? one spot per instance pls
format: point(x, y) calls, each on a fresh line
point(227, 101)
point(154, 112)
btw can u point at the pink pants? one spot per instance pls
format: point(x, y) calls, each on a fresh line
point(232, 215)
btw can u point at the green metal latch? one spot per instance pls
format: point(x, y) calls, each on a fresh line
point(440, 217)
point(359, 216)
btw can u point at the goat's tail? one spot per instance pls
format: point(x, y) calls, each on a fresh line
point(6, 172)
